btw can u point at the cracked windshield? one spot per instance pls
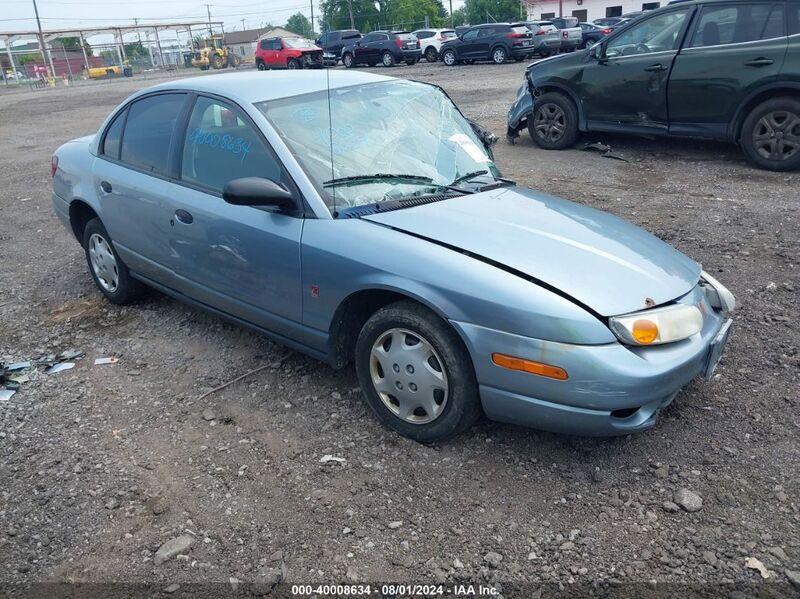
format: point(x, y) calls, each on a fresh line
point(390, 140)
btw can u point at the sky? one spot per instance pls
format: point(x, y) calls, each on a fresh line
point(18, 15)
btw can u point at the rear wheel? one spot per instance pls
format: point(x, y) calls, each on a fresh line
point(449, 58)
point(499, 55)
point(770, 135)
point(387, 58)
point(416, 373)
point(554, 123)
point(431, 55)
point(347, 61)
point(261, 65)
point(107, 269)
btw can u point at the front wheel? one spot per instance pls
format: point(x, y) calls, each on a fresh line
point(554, 123)
point(106, 267)
point(770, 135)
point(499, 55)
point(449, 58)
point(217, 62)
point(416, 373)
point(387, 58)
point(348, 62)
point(292, 64)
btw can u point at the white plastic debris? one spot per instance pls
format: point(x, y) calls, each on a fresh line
point(331, 458)
point(6, 394)
point(99, 361)
point(59, 367)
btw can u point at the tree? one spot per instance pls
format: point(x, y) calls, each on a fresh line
point(483, 11)
point(459, 17)
point(299, 24)
point(135, 50)
point(382, 14)
point(73, 44)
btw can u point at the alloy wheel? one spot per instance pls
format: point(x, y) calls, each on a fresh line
point(408, 375)
point(347, 61)
point(449, 58)
point(550, 122)
point(499, 56)
point(776, 135)
point(104, 264)
point(388, 59)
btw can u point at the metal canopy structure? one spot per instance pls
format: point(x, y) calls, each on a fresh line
point(118, 31)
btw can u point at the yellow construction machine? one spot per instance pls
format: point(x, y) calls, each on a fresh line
point(214, 54)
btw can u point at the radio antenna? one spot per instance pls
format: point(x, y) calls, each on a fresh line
point(330, 129)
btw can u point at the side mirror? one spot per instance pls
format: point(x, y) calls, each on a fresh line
point(256, 191)
point(488, 139)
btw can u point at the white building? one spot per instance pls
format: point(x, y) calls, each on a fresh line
point(586, 10)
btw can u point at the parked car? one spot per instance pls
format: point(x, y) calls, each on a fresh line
point(493, 41)
point(333, 42)
point(592, 34)
point(431, 41)
point(726, 70)
point(386, 47)
point(546, 37)
point(287, 53)
point(462, 29)
point(611, 22)
point(571, 33)
point(263, 199)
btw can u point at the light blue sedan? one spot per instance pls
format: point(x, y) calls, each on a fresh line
point(361, 218)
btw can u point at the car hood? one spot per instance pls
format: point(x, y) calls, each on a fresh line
point(595, 258)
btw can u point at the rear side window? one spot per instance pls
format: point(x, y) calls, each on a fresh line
point(148, 131)
point(264, 44)
point(114, 136)
point(221, 145)
point(738, 23)
point(423, 35)
point(794, 18)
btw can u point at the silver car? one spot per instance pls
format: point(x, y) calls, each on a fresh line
point(546, 37)
point(362, 219)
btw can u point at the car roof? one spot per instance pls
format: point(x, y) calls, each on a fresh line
point(259, 86)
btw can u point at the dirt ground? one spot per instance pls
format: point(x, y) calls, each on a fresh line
point(101, 465)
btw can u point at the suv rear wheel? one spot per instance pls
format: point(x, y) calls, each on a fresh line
point(347, 61)
point(387, 58)
point(771, 134)
point(554, 122)
point(499, 55)
point(262, 66)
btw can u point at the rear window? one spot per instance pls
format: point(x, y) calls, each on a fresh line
point(570, 22)
point(520, 29)
point(407, 37)
point(350, 35)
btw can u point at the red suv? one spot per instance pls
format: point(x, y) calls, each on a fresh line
point(287, 53)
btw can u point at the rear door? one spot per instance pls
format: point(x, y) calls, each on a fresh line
point(130, 178)
point(240, 259)
point(733, 49)
point(625, 86)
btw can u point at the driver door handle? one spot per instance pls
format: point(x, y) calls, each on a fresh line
point(656, 68)
point(759, 62)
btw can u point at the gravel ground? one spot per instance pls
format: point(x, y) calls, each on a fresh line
point(103, 465)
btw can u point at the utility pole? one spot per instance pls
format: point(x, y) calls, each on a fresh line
point(452, 18)
point(242, 24)
point(350, 8)
point(45, 52)
point(312, 18)
point(208, 10)
point(138, 33)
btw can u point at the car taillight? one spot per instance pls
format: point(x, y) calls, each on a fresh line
point(398, 42)
point(564, 34)
point(606, 31)
point(515, 35)
point(541, 32)
point(53, 165)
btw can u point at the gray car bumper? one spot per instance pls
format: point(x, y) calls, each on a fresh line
point(520, 110)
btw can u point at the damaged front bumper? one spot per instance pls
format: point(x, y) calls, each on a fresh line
point(521, 109)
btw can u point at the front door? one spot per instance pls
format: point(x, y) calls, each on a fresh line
point(732, 49)
point(469, 44)
point(240, 259)
point(626, 83)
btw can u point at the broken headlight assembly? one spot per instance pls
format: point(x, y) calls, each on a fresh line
point(717, 294)
point(658, 326)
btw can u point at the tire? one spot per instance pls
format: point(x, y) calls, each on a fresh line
point(103, 261)
point(217, 62)
point(387, 59)
point(431, 55)
point(449, 58)
point(554, 123)
point(443, 361)
point(499, 55)
point(348, 61)
point(770, 136)
point(261, 65)
point(292, 64)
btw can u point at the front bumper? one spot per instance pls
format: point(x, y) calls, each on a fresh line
point(612, 389)
point(520, 110)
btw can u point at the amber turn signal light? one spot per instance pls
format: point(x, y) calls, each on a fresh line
point(645, 331)
point(529, 366)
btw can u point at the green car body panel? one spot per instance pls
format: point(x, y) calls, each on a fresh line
point(682, 91)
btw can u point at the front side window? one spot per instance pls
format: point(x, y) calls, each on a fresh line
point(656, 34)
point(221, 146)
point(738, 23)
point(471, 34)
point(148, 131)
point(275, 45)
point(396, 127)
point(371, 37)
point(114, 136)
point(265, 44)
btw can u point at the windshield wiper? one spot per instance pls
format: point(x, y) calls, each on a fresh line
point(359, 179)
point(467, 177)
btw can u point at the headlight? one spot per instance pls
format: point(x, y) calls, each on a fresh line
point(657, 326)
point(717, 294)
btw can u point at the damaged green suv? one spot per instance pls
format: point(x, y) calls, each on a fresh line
point(715, 69)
